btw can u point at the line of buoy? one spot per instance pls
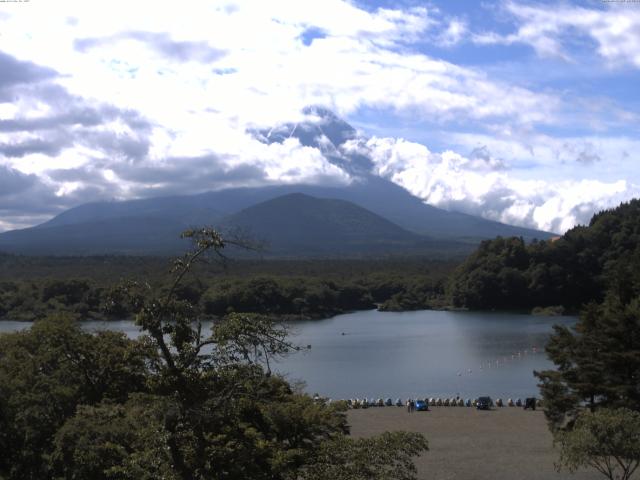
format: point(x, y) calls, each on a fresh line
point(500, 362)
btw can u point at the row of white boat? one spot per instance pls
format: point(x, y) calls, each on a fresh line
point(434, 402)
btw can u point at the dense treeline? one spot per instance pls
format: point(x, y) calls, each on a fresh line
point(309, 289)
point(32, 300)
point(569, 271)
point(112, 268)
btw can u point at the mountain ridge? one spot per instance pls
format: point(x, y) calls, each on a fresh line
point(167, 216)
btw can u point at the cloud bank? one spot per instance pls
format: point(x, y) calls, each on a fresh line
point(122, 100)
point(479, 185)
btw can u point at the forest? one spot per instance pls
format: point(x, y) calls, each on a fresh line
point(566, 273)
point(34, 287)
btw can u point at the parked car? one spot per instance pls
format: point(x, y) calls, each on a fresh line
point(530, 403)
point(422, 406)
point(484, 403)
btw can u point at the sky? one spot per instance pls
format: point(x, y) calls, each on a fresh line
point(518, 111)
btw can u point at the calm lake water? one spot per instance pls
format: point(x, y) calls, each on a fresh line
point(410, 354)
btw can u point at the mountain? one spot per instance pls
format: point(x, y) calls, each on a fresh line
point(152, 225)
point(128, 236)
point(300, 224)
point(293, 224)
point(373, 193)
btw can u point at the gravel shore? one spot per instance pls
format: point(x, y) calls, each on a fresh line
point(464, 443)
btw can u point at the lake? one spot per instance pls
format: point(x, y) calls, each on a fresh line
point(410, 354)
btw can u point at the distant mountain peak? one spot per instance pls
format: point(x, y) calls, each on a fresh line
point(321, 111)
point(327, 132)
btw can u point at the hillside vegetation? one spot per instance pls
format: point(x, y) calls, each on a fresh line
point(507, 273)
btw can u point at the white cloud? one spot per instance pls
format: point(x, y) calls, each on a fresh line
point(452, 181)
point(271, 74)
point(454, 33)
point(615, 31)
point(529, 154)
point(287, 162)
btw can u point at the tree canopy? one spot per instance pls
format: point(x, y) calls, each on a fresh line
point(607, 440)
point(570, 271)
point(292, 290)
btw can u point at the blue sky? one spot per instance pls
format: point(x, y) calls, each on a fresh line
point(519, 111)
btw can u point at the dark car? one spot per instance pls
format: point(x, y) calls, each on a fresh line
point(484, 403)
point(422, 406)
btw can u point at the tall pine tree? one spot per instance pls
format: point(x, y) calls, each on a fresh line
point(598, 361)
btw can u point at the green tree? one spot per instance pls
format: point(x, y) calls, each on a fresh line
point(597, 362)
point(45, 373)
point(388, 456)
point(607, 440)
point(114, 441)
point(578, 268)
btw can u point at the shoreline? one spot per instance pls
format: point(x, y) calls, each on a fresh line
point(465, 443)
point(293, 318)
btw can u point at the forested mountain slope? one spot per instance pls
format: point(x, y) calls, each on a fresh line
point(574, 269)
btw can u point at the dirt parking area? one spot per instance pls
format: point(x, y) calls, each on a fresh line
point(465, 443)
